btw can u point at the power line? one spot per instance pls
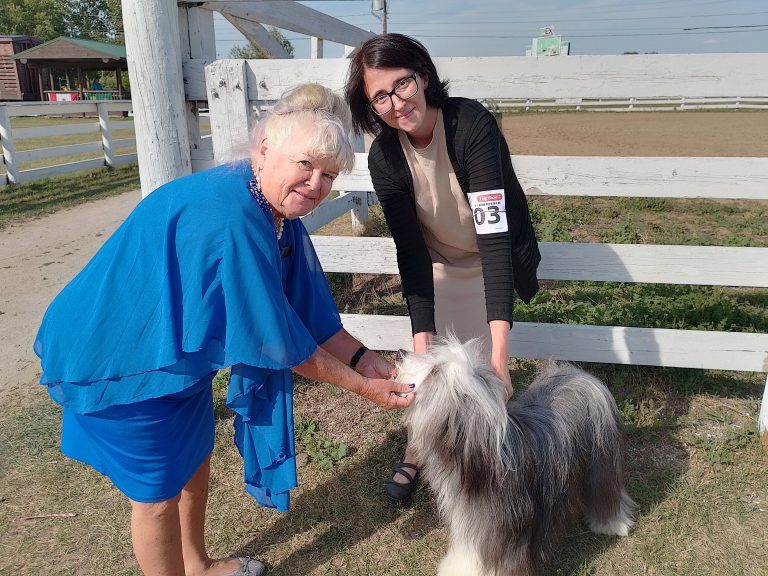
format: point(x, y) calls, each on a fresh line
point(570, 36)
point(570, 20)
point(582, 12)
point(718, 27)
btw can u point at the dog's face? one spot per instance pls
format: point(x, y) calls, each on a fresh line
point(414, 368)
point(457, 420)
point(450, 368)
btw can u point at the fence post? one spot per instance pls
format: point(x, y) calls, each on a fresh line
point(106, 134)
point(229, 108)
point(359, 213)
point(315, 48)
point(6, 140)
point(762, 420)
point(198, 42)
point(157, 91)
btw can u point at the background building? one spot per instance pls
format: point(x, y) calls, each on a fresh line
point(548, 44)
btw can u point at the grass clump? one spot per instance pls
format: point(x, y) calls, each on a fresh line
point(649, 306)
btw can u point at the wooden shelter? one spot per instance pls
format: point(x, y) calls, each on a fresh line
point(17, 80)
point(67, 54)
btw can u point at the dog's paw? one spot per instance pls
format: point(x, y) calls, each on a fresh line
point(459, 563)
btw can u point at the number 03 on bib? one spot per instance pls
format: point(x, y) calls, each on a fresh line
point(488, 210)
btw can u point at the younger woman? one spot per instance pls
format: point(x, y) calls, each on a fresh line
point(457, 213)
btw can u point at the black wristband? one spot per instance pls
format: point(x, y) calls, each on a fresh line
point(356, 358)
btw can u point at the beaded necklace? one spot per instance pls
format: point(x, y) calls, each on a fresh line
point(256, 193)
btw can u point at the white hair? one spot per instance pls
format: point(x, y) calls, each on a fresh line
point(329, 116)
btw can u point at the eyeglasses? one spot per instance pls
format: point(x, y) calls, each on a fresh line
point(404, 88)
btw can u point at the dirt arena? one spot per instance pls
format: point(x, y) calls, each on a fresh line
point(738, 133)
point(38, 257)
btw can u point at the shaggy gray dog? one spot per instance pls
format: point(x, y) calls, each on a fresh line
point(511, 479)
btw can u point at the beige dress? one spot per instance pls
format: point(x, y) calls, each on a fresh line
point(449, 232)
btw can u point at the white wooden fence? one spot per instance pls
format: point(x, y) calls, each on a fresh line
point(676, 104)
point(106, 151)
point(237, 91)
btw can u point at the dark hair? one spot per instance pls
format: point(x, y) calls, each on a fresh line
point(388, 51)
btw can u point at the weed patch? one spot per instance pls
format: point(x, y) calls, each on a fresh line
point(323, 451)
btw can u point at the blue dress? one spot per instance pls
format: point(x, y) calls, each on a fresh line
point(193, 281)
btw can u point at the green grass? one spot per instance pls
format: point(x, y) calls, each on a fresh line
point(47, 195)
point(648, 305)
point(694, 466)
point(651, 221)
point(26, 144)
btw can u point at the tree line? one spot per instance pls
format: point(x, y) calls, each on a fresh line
point(100, 20)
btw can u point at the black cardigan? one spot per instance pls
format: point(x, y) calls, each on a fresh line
point(481, 160)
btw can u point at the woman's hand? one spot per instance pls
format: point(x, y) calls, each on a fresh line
point(502, 370)
point(323, 366)
point(387, 394)
point(343, 346)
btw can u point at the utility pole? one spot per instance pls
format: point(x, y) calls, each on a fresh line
point(379, 9)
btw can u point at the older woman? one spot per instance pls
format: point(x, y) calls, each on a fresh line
point(211, 270)
point(457, 213)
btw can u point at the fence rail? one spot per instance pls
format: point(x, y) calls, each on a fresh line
point(234, 89)
point(694, 265)
point(106, 149)
point(729, 178)
point(632, 104)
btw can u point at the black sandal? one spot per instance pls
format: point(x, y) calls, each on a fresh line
point(398, 493)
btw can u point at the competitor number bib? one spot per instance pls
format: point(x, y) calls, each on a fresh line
point(488, 211)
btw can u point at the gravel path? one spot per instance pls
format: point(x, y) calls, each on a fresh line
point(37, 258)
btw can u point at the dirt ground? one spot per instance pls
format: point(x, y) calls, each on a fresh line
point(38, 257)
point(638, 134)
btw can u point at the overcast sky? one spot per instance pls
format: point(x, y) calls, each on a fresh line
point(506, 27)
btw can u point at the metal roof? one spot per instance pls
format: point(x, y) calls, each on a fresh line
point(64, 48)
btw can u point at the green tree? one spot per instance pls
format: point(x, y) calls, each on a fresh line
point(42, 19)
point(47, 19)
point(93, 19)
point(252, 52)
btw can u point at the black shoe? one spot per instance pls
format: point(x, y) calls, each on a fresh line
point(398, 493)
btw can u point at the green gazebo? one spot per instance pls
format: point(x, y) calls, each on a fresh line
point(67, 54)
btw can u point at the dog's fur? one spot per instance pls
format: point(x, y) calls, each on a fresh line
point(509, 481)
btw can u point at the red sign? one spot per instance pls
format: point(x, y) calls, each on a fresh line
point(489, 197)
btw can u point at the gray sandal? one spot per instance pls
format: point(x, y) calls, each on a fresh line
point(249, 567)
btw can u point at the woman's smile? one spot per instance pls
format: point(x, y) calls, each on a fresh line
point(292, 179)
